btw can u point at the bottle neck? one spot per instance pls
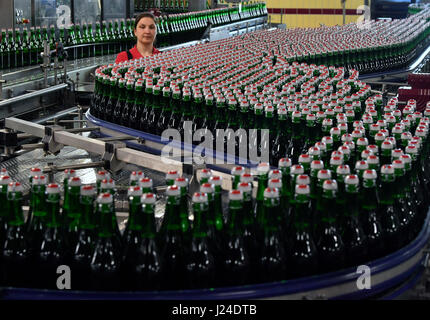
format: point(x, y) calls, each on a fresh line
point(286, 182)
point(370, 198)
point(248, 213)
point(236, 181)
point(173, 218)
point(148, 221)
point(4, 214)
point(271, 210)
point(234, 226)
point(351, 201)
point(326, 205)
point(400, 185)
point(38, 200)
point(262, 185)
point(200, 220)
point(73, 205)
point(15, 209)
point(301, 213)
point(387, 192)
point(53, 210)
point(122, 94)
point(106, 213)
point(218, 215)
point(87, 218)
point(134, 212)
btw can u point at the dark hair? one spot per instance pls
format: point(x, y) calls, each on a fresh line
point(143, 15)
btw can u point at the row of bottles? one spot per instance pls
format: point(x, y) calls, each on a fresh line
point(292, 127)
point(166, 6)
point(307, 219)
point(22, 47)
point(179, 28)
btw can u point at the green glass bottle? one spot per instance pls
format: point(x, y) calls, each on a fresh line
point(134, 224)
point(4, 210)
point(11, 49)
point(263, 177)
point(284, 166)
point(236, 173)
point(111, 103)
point(128, 105)
point(108, 186)
point(388, 211)
point(18, 49)
point(4, 51)
point(386, 150)
point(275, 182)
point(166, 107)
point(294, 148)
point(200, 265)
point(219, 217)
point(171, 239)
point(370, 218)
point(419, 188)
point(182, 183)
point(84, 249)
point(400, 199)
point(249, 224)
point(25, 48)
point(98, 39)
point(52, 252)
point(272, 266)
point(235, 267)
point(143, 266)
point(414, 197)
point(301, 249)
point(68, 174)
point(73, 213)
point(216, 238)
point(16, 249)
point(106, 259)
point(119, 106)
point(331, 248)
point(279, 150)
point(137, 108)
point(316, 197)
point(33, 172)
point(309, 132)
point(37, 224)
point(353, 235)
point(39, 44)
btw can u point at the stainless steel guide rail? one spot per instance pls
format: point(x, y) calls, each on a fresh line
point(57, 137)
point(33, 94)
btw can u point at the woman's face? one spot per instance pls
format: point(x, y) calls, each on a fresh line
point(145, 30)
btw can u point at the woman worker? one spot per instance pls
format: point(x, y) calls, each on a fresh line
point(145, 31)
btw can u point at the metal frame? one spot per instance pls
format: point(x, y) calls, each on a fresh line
point(61, 137)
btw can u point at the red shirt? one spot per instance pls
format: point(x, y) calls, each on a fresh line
point(122, 56)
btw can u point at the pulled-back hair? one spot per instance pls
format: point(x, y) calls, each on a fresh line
point(143, 15)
